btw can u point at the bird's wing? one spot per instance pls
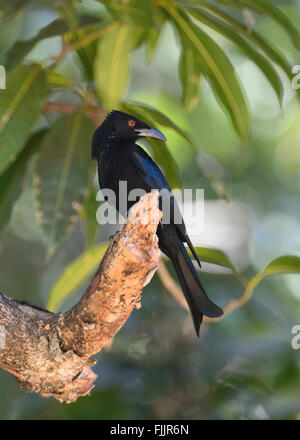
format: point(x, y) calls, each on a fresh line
point(148, 169)
point(154, 179)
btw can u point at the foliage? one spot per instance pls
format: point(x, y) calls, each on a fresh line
point(63, 166)
point(66, 73)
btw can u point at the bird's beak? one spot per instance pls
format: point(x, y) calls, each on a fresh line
point(150, 133)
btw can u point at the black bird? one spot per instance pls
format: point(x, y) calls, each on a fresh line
point(121, 159)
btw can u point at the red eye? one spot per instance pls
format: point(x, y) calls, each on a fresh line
point(131, 123)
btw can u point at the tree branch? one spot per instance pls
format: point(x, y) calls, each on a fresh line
point(51, 353)
point(94, 113)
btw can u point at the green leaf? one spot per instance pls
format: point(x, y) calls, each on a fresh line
point(12, 180)
point(62, 176)
point(57, 27)
point(266, 7)
point(88, 52)
point(21, 48)
point(152, 116)
point(214, 256)
point(9, 31)
point(233, 3)
point(271, 51)
point(133, 13)
point(58, 80)
point(10, 8)
point(281, 265)
point(88, 215)
point(217, 68)
point(151, 42)
point(216, 174)
point(20, 105)
point(112, 63)
point(264, 65)
point(75, 275)
point(190, 76)
point(284, 264)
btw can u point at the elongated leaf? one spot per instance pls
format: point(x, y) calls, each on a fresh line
point(133, 13)
point(266, 7)
point(20, 105)
point(218, 70)
point(264, 65)
point(153, 115)
point(10, 8)
point(9, 31)
point(151, 42)
point(190, 75)
point(268, 48)
point(58, 80)
point(88, 215)
point(86, 53)
point(22, 48)
point(214, 256)
point(216, 174)
point(233, 3)
point(12, 180)
point(281, 265)
point(75, 275)
point(58, 27)
point(284, 264)
point(62, 176)
point(112, 63)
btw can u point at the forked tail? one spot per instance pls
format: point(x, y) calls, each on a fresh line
point(198, 302)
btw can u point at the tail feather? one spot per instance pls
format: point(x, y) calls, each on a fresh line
point(198, 301)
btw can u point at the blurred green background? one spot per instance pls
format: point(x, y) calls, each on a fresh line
point(242, 367)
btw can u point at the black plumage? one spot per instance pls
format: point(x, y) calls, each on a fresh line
point(121, 159)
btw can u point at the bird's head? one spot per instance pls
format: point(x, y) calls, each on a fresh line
point(120, 126)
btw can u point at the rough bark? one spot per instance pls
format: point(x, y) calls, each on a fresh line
point(51, 354)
